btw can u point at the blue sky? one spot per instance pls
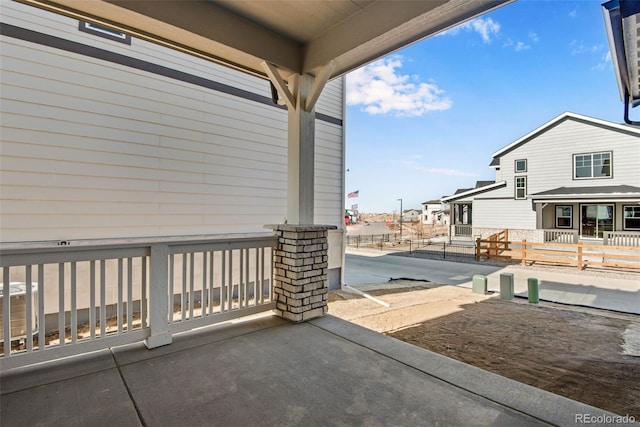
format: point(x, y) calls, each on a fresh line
point(425, 120)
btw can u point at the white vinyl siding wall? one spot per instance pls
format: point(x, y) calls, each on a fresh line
point(93, 149)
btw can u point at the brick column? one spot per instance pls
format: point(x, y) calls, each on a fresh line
point(300, 271)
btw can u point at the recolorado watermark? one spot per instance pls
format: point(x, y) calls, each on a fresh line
point(604, 419)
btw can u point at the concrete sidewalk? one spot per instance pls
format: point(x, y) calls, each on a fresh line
point(267, 372)
point(602, 290)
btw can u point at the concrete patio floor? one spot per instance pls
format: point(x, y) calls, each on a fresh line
point(266, 372)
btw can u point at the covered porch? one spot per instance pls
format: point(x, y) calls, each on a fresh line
point(607, 214)
point(267, 371)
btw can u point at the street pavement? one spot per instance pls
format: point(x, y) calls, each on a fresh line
point(609, 291)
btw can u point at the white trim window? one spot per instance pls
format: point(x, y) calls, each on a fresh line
point(564, 216)
point(520, 166)
point(521, 187)
point(631, 217)
point(592, 165)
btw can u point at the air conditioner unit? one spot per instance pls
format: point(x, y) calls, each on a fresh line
point(18, 310)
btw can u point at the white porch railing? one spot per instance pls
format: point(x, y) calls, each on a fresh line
point(561, 236)
point(462, 230)
point(89, 297)
point(621, 238)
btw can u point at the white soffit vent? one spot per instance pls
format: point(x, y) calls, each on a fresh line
point(631, 33)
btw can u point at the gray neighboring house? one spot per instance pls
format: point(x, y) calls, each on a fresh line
point(411, 215)
point(575, 177)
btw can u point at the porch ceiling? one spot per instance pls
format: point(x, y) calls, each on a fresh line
point(297, 37)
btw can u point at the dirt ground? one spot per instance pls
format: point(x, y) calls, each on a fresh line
point(583, 354)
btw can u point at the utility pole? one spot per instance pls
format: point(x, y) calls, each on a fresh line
point(400, 219)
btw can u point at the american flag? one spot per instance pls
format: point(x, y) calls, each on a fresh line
point(353, 194)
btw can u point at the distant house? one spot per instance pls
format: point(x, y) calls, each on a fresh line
point(411, 215)
point(434, 212)
point(574, 176)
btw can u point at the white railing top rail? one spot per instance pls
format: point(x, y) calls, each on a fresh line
point(18, 254)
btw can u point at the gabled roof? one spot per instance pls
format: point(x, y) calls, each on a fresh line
point(431, 202)
point(460, 194)
point(554, 122)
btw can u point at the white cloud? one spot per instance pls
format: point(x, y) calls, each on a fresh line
point(572, 14)
point(533, 37)
point(517, 46)
point(380, 89)
point(605, 63)
point(579, 48)
point(487, 28)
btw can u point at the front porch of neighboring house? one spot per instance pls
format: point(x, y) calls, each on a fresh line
point(461, 227)
point(608, 223)
point(608, 215)
point(597, 222)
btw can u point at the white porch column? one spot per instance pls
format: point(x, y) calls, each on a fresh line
point(300, 96)
point(301, 152)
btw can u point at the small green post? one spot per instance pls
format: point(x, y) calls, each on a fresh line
point(479, 284)
point(532, 284)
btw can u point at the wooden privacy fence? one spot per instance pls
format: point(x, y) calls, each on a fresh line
point(579, 255)
point(493, 246)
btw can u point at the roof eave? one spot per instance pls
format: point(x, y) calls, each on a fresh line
point(473, 191)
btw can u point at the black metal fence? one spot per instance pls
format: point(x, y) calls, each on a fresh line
point(421, 247)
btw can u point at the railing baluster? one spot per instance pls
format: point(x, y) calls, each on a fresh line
point(92, 299)
point(230, 284)
point(247, 293)
point(74, 313)
point(204, 294)
point(257, 284)
point(211, 285)
point(129, 294)
point(143, 294)
point(103, 304)
point(171, 290)
point(61, 322)
point(119, 304)
point(183, 298)
point(41, 320)
point(223, 281)
point(29, 308)
point(192, 256)
point(241, 280)
point(6, 311)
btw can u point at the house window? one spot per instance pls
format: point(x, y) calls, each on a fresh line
point(521, 165)
point(594, 165)
point(521, 187)
point(564, 214)
point(105, 32)
point(631, 217)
